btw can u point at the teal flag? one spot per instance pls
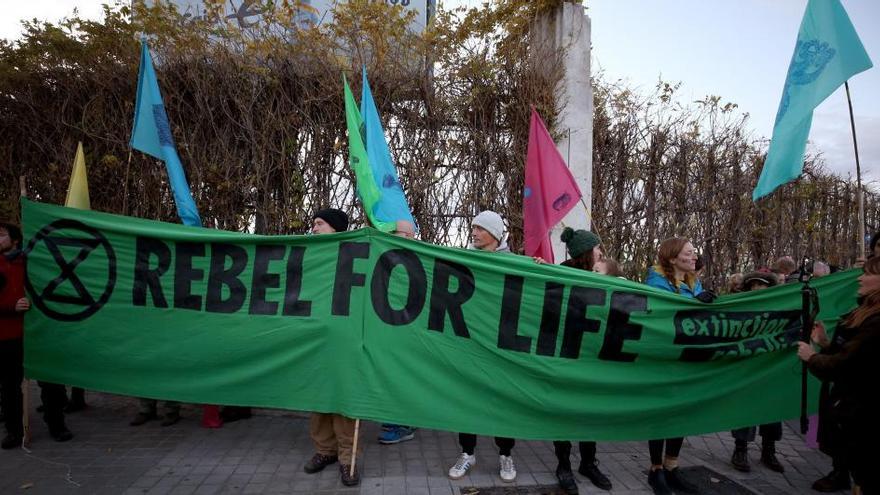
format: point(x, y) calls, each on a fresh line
point(151, 134)
point(367, 186)
point(827, 53)
point(392, 205)
point(379, 327)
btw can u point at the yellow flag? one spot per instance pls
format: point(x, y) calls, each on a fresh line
point(78, 191)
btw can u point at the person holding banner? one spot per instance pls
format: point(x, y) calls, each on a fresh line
point(13, 305)
point(585, 251)
point(853, 369)
point(487, 234)
point(391, 433)
point(675, 271)
point(332, 434)
point(770, 432)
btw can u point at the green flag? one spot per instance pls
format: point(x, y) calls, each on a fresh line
point(378, 327)
point(367, 189)
point(827, 53)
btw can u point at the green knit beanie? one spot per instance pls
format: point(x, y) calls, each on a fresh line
point(579, 242)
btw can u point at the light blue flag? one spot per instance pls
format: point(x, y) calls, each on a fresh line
point(392, 205)
point(827, 53)
point(152, 135)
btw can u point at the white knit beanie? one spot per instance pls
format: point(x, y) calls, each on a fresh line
point(491, 222)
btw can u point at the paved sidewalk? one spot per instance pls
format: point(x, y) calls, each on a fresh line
point(265, 454)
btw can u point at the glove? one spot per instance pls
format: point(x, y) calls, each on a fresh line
point(707, 296)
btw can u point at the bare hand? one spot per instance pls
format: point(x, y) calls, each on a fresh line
point(539, 260)
point(22, 305)
point(819, 336)
point(860, 262)
point(805, 351)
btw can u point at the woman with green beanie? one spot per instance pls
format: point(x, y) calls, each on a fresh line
point(584, 249)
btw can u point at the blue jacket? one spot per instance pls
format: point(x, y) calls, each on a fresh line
point(656, 279)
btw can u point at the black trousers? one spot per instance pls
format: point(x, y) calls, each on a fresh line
point(11, 375)
point(53, 395)
point(468, 442)
point(655, 447)
point(563, 453)
point(770, 433)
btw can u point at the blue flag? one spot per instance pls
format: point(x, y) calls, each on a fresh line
point(392, 205)
point(152, 135)
point(827, 53)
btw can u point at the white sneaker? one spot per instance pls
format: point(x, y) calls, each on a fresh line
point(508, 470)
point(461, 466)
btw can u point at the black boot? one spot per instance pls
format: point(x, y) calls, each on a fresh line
point(590, 469)
point(11, 441)
point(657, 481)
point(566, 480)
point(836, 480)
point(740, 459)
point(678, 483)
point(60, 433)
point(768, 457)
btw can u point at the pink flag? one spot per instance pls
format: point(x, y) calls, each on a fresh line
point(550, 190)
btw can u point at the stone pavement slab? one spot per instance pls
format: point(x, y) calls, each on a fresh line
point(265, 454)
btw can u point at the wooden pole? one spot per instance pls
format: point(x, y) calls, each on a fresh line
point(354, 447)
point(125, 186)
point(26, 384)
point(859, 194)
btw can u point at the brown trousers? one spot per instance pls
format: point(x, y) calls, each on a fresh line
point(332, 434)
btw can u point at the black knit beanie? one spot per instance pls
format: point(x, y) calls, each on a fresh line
point(336, 218)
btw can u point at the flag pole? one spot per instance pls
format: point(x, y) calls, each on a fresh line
point(26, 383)
point(860, 195)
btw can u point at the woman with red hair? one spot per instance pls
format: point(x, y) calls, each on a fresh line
point(675, 271)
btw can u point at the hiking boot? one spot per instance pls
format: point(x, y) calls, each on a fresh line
point(461, 466)
point(590, 469)
point(11, 441)
point(677, 482)
point(768, 458)
point(318, 462)
point(657, 481)
point(395, 434)
point(142, 418)
point(566, 481)
point(834, 481)
point(347, 478)
point(740, 460)
point(507, 470)
point(170, 419)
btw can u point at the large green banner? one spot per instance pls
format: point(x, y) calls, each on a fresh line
point(383, 328)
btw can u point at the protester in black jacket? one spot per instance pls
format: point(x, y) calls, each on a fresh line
point(853, 372)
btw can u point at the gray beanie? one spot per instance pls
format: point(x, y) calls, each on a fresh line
point(491, 222)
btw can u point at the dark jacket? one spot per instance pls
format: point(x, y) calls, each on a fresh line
point(11, 290)
point(854, 371)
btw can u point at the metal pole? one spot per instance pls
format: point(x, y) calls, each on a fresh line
point(859, 194)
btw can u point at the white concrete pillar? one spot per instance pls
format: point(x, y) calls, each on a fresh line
point(567, 28)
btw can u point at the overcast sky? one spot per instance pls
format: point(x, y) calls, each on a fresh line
point(738, 50)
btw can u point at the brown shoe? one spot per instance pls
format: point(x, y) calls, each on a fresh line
point(318, 462)
point(347, 478)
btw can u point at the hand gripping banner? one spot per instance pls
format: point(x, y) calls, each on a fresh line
point(388, 329)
